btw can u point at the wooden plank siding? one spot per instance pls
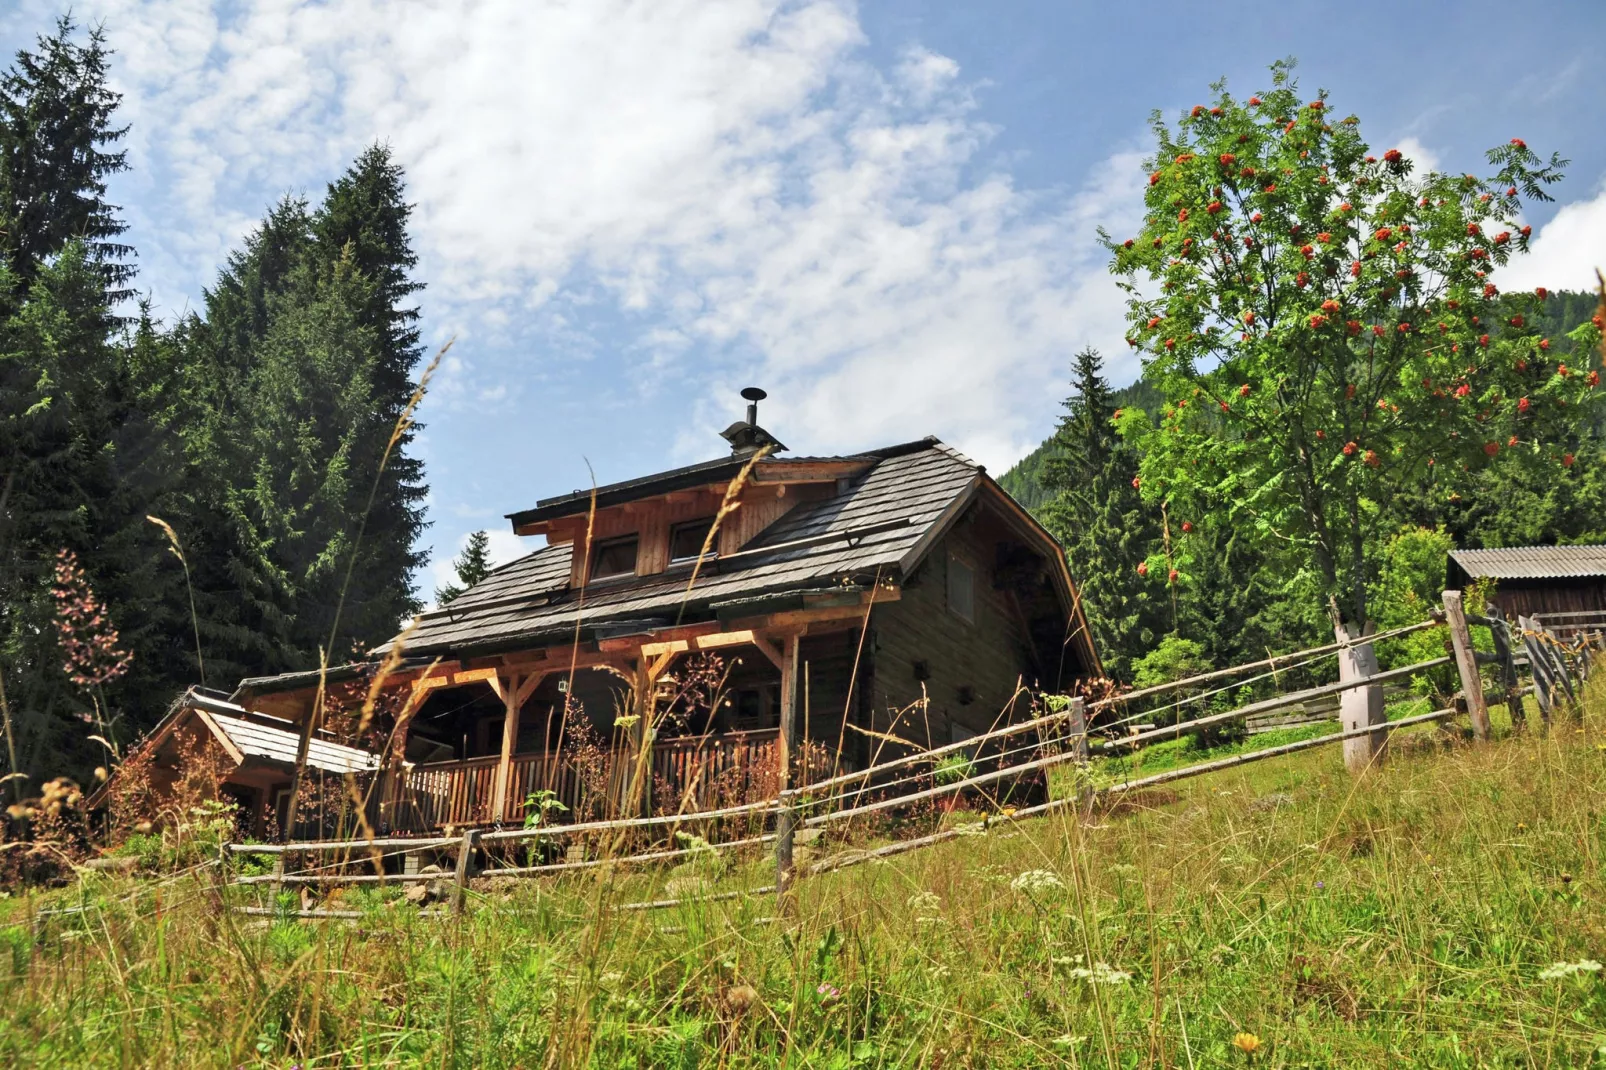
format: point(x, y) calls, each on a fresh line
point(1536, 598)
point(973, 667)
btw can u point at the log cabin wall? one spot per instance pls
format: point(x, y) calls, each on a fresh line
point(828, 688)
point(1535, 598)
point(971, 668)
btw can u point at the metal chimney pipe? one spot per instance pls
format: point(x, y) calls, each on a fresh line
point(753, 395)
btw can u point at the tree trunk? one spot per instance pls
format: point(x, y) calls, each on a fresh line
point(1360, 707)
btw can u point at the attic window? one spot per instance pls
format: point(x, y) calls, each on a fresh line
point(686, 540)
point(962, 589)
point(616, 557)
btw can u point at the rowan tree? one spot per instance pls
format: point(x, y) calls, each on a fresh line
point(1326, 325)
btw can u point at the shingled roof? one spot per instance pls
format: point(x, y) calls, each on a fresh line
point(1533, 562)
point(881, 524)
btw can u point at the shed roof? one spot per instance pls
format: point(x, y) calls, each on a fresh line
point(257, 739)
point(1533, 562)
point(878, 524)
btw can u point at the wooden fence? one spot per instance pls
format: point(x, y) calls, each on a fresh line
point(1009, 764)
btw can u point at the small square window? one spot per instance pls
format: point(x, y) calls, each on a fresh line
point(686, 540)
point(961, 589)
point(616, 557)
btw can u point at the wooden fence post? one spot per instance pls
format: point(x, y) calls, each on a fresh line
point(786, 818)
point(1558, 658)
point(1500, 632)
point(1360, 707)
point(1538, 668)
point(1079, 728)
point(1466, 662)
point(465, 852)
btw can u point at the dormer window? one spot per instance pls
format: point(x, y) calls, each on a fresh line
point(686, 540)
point(616, 557)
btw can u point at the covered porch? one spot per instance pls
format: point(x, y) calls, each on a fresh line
point(561, 736)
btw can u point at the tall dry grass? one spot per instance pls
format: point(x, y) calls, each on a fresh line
point(1415, 917)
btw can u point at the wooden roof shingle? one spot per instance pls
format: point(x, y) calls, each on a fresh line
point(873, 526)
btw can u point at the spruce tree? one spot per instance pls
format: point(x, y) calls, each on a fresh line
point(362, 223)
point(56, 154)
point(471, 566)
point(1096, 514)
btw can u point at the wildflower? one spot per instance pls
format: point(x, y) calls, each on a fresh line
point(828, 993)
point(1247, 1043)
point(1102, 973)
point(1559, 970)
point(1036, 880)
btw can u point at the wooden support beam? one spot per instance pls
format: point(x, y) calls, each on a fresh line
point(775, 653)
point(673, 646)
point(1466, 662)
point(527, 688)
point(430, 683)
point(513, 691)
point(474, 676)
point(716, 640)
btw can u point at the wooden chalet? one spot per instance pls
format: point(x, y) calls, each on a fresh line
point(857, 605)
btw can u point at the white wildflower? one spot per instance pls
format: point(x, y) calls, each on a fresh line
point(1558, 970)
point(971, 828)
point(1036, 880)
point(1102, 973)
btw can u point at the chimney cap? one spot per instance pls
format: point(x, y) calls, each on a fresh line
point(753, 393)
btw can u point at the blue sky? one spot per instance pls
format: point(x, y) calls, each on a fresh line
point(883, 213)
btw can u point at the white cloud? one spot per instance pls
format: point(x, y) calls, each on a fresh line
point(1419, 154)
point(731, 180)
point(1565, 253)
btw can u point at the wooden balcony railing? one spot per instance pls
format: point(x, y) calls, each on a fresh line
point(689, 774)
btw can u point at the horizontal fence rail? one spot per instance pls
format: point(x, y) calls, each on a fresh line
point(1016, 754)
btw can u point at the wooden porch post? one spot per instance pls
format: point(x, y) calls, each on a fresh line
point(786, 819)
point(513, 690)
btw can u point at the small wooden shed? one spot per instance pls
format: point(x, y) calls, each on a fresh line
point(1534, 581)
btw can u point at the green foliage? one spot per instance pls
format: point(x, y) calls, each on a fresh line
point(952, 768)
point(1173, 659)
point(254, 428)
point(471, 566)
point(1095, 512)
point(1323, 325)
point(1024, 480)
point(56, 112)
point(1412, 575)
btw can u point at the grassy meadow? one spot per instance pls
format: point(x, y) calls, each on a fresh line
point(1445, 911)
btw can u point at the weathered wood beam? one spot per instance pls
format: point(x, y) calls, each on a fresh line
point(786, 820)
point(715, 640)
point(1466, 664)
point(776, 654)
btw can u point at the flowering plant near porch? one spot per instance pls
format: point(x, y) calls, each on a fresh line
point(1327, 328)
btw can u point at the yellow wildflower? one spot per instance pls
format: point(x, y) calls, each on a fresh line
point(1247, 1043)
